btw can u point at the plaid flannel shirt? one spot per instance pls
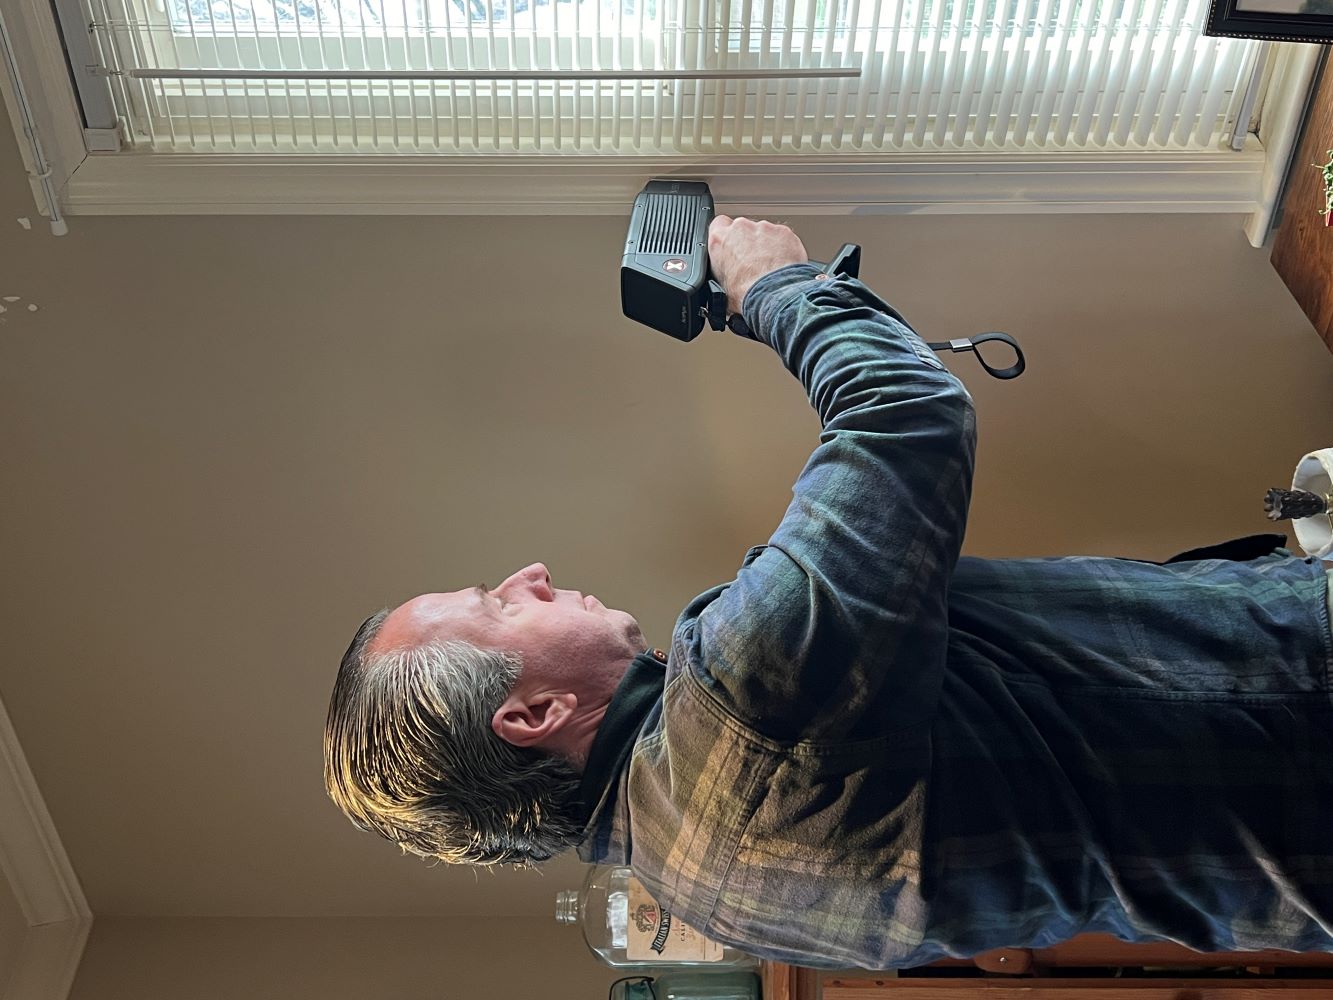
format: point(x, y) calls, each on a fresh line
point(867, 751)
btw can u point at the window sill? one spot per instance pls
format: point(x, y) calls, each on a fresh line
point(831, 184)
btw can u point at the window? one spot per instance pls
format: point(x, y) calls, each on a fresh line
point(667, 77)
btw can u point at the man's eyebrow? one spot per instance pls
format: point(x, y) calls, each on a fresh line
point(484, 596)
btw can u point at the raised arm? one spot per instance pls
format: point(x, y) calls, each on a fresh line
point(837, 629)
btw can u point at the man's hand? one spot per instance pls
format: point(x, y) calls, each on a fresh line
point(741, 251)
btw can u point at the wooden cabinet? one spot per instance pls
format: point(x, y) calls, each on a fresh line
point(1087, 967)
point(1303, 246)
point(835, 988)
point(787, 982)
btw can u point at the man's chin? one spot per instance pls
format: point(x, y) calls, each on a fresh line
point(634, 634)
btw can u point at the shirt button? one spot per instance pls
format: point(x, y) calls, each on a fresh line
point(659, 656)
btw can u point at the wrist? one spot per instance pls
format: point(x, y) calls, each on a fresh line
point(777, 285)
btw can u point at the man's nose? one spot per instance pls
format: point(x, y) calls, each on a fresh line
point(535, 578)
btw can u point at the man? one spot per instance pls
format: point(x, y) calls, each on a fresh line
point(866, 750)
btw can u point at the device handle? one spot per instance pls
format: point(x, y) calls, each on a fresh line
point(847, 262)
point(716, 308)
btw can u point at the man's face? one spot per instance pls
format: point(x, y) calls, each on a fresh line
point(563, 636)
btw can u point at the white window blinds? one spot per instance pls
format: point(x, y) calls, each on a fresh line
point(667, 77)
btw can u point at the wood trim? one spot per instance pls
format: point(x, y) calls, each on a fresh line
point(788, 982)
point(1303, 248)
point(776, 981)
point(839, 988)
point(1097, 950)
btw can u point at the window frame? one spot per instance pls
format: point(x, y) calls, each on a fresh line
point(129, 183)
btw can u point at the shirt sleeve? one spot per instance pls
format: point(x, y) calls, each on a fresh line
point(837, 629)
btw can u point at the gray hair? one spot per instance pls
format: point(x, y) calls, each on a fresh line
point(409, 754)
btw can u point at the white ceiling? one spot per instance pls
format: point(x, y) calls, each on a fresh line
point(227, 440)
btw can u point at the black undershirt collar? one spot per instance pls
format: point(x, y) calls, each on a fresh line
point(635, 695)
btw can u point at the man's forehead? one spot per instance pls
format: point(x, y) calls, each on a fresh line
point(425, 617)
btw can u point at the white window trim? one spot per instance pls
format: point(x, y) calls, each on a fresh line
point(833, 184)
point(41, 64)
point(1290, 86)
point(838, 184)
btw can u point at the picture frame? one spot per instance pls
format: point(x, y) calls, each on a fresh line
point(1272, 20)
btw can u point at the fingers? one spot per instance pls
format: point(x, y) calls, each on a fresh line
point(722, 225)
point(742, 250)
point(716, 231)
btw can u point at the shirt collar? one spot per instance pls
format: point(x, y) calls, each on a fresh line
point(639, 690)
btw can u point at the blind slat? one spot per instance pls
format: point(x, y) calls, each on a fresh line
point(1211, 112)
point(1016, 60)
point(1163, 55)
point(1097, 76)
point(953, 73)
point(851, 56)
point(863, 86)
point(906, 85)
point(994, 65)
point(931, 42)
point(1174, 94)
point(797, 128)
point(1119, 72)
point(1189, 108)
point(1074, 83)
point(968, 90)
point(1035, 80)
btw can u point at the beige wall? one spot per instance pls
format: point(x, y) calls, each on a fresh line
point(13, 928)
point(225, 440)
point(337, 959)
point(249, 433)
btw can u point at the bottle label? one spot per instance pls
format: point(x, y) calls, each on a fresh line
point(654, 935)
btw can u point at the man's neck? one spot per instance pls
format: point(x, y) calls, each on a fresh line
point(575, 739)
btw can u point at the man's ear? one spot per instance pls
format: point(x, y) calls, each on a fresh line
point(533, 720)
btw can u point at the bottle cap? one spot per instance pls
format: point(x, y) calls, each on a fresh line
point(567, 907)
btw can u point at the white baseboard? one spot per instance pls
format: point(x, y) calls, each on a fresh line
point(34, 863)
point(48, 961)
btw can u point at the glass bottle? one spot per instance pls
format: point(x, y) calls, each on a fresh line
point(692, 984)
point(625, 928)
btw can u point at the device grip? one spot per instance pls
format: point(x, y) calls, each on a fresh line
point(847, 262)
